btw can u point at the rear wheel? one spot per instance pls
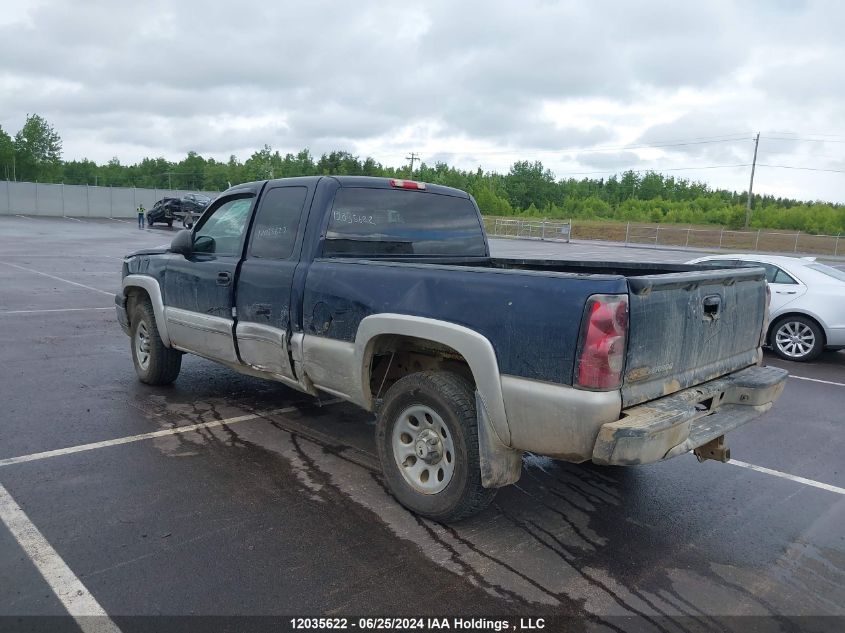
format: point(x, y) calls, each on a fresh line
point(149, 221)
point(154, 363)
point(427, 437)
point(797, 338)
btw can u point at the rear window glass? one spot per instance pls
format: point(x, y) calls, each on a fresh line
point(370, 222)
point(830, 271)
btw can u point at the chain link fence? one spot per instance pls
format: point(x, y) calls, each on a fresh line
point(557, 231)
point(763, 240)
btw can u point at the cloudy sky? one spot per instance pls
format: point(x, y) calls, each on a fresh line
point(587, 87)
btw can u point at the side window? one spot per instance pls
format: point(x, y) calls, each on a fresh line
point(769, 268)
point(782, 277)
point(222, 232)
point(277, 222)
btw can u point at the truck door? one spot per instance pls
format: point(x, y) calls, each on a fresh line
point(199, 289)
point(263, 298)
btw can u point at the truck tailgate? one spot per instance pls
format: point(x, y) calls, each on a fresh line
point(688, 328)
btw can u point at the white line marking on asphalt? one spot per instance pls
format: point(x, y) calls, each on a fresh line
point(9, 461)
point(800, 480)
point(124, 221)
point(67, 281)
point(824, 382)
point(74, 219)
point(24, 217)
point(2, 312)
point(75, 597)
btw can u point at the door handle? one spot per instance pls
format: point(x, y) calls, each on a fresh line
point(786, 292)
point(224, 279)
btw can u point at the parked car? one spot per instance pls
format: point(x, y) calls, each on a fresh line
point(807, 310)
point(185, 209)
point(384, 293)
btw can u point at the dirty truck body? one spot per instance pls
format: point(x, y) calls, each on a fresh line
point(384, 293)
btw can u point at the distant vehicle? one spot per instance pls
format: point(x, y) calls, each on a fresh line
point(186, 209)
point(383, 292)
point(807, 310)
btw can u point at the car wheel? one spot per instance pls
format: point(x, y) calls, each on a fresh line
point(797, 338)
point(170, 224)
point(427, 437)
point(149, 221)
point(154, 363)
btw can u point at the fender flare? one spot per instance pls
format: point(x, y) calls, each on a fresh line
point(154, 291)
point(474, 347)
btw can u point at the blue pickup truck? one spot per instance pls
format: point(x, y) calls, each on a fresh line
point(383, 292)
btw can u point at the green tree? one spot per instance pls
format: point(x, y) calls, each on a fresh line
point(7, 156)
point(529, 184)
point(38, 150)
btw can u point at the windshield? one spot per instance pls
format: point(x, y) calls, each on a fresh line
point(830, 271)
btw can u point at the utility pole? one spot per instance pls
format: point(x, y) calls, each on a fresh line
point(412, 158)
point(751, 184)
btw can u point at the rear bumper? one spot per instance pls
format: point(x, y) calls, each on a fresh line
point(676, 424)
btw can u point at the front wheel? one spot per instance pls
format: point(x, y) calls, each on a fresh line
point(154, 363)
point(797, 338)
point(427, 437)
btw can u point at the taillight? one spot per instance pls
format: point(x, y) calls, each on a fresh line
point(601, 344)
point(406, 184)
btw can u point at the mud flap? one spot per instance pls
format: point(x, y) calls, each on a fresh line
point(500, 465)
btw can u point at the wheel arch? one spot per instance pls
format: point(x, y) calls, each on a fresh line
point(143, 283)
point(464, 345)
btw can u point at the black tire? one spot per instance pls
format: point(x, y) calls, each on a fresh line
point(803, 328)
point(161, 365)
point(149, 221)
point(452, 398)
point(170, 224)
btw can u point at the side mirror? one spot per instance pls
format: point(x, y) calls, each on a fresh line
point(183, 243)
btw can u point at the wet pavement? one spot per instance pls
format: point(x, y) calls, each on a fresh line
point(285, 512)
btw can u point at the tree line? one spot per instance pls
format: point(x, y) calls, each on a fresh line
point(527, 189)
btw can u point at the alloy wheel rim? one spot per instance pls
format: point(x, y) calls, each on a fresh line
point(142, 345)
point(795, 339)
point(423, 449)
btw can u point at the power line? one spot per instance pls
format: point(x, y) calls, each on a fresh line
point(724, 138)
point(836, 171)
point(658, 146)
point(652, 169)
point(805, 134)
point(810, 140)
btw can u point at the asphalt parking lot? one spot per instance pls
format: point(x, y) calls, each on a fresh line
point(271, 503)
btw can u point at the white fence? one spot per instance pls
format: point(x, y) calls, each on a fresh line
point(556, 231)
point(719, 238)
point(81, 201)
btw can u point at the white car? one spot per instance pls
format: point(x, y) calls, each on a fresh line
point(807, 310)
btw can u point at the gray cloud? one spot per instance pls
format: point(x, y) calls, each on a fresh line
point(476, 83)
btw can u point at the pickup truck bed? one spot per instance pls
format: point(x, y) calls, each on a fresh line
point(385, 293)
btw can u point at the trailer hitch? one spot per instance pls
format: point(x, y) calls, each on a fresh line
point(714, 449)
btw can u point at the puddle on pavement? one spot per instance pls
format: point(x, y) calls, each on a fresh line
point(539, 544)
